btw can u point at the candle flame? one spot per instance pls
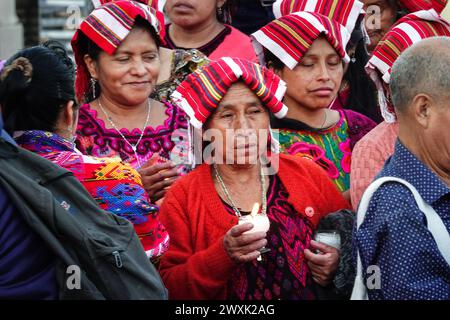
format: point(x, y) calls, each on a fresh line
point(255, 209)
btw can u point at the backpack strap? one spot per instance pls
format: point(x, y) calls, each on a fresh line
point(434, 224)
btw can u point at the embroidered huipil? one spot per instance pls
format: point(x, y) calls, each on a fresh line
point(115, 186)
point(329, 148)
point(283, 272)
point(169, 140)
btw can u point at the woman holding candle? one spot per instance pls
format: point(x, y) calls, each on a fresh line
point(211, 255)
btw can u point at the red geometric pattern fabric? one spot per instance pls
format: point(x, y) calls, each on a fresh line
point(201, 92)
point(346, 12)
point(291, 36)
point(407, 31)
point(417, 5)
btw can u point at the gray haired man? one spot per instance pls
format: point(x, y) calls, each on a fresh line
point(396, 235)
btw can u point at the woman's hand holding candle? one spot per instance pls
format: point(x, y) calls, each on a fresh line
point(260, 222)
point(243, 242)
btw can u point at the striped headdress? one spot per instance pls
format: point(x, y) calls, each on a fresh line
point(418, 5)
point(155, 4)
point(107, 26)
point(291, 36)
point(408, 31)
point(201, 92)
point(346, 12)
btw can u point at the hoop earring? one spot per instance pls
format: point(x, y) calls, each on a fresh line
point(220, 11)
point(93, 84)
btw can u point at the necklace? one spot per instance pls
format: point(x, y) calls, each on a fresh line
point(133, 146)
point(233, 204)
point(325, 119)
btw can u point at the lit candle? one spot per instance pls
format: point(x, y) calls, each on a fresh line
point(260, 222)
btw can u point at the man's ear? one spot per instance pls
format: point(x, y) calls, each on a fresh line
point(421, 108)
point(91, 66)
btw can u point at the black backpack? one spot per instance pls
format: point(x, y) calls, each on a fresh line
point(102, 246)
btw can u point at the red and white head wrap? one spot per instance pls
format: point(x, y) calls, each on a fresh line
point(291, 36)
point(346, 12)
point(409, 30)
point(201, 92)
point(418, 5)
point(107, 26)
point(155, 4)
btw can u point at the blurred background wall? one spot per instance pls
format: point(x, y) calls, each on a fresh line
point(29, 22)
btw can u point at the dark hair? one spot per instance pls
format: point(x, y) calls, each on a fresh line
point(228, 11)
point(272, 61)
point(35, 85)
point(362, 97)
point(87, 46)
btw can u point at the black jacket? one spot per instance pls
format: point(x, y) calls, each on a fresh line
point(103, 246)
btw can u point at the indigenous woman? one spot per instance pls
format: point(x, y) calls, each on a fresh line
point(211, 255)
point(388, 12)
point(372, 151)
point(175, 64)
point(118, 64)
point(307, 50)
point(204, 25)
point(37, 97)
point(357, 91)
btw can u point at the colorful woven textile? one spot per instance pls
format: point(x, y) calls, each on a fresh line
point(116, 186)
point(346, 12)
point(183, 63)
point(167, 140)
point(107, 26)
point(291, 36)
point(408, 30)
point(283, 273)
point(201, 92)
point(329, 148)
point(417, 5)
point(155, 4)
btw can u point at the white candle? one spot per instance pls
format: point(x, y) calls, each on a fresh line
point(260, 222)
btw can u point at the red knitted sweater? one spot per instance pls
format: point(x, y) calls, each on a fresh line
point(196, 265)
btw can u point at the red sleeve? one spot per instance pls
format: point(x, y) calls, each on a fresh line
point(188, 274)
point(334, 200)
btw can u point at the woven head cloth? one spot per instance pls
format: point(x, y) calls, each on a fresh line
point(201, 92)
point(107, 26)
point(411, 29)
point(346, 12)
point(291, 36)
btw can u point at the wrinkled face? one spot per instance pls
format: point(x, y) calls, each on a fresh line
point(381, 15)
point(188, 13)
point(315, 81)
point(129, 75)
point(239, 127)
point(437, 134)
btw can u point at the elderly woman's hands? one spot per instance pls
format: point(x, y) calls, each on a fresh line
point(243, 247)
point(158, 177)
point(323, 265)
